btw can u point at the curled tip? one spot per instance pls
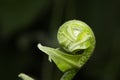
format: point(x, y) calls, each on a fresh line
point(25, 77)
point(75, 35)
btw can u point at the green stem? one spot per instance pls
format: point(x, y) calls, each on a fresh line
point(69, 75)
point(85, 56)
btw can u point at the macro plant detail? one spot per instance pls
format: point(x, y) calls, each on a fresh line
point(77, 43)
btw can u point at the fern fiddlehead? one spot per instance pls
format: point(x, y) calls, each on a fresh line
point(73, 36)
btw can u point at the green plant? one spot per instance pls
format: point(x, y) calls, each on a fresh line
point(73, 36)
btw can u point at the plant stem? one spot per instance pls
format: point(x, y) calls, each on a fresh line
point(69, 74)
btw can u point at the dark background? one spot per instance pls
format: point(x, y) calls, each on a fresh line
point(25, 23)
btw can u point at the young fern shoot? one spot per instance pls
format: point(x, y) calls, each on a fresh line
point(73, 36)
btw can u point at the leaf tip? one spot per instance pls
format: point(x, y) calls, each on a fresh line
point(25, 77)
point(39, 45)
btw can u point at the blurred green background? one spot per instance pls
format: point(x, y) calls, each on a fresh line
point(25, 23)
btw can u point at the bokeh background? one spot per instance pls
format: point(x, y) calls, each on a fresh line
point(25, 23)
